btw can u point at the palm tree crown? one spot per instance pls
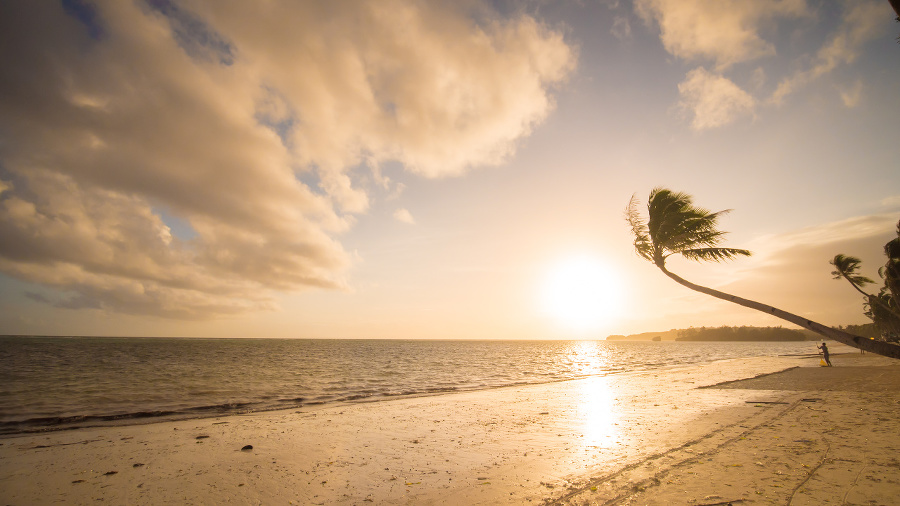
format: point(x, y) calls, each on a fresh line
point(676, 226)
point(846, 267)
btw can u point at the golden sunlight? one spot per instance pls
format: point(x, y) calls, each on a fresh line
point(598, 413)
point(581, 293)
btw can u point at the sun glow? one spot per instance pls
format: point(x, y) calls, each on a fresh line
point(581, 293)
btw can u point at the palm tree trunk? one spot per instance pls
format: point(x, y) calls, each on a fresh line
point(872, 298)
point(858, 289)
point(862, 343)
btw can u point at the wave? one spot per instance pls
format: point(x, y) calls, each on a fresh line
point(55, 384)
point(67, 422)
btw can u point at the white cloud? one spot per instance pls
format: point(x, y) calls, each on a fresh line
point(252, 125)
point(713, 100)
point(724, 31)
point(418, 83)
point(730, 32)
point(404, 216)
point(863, 20)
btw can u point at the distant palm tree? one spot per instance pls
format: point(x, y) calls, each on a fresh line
point(846, 267)
point(676, 227)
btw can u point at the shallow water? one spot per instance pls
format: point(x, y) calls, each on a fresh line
point(48, 383)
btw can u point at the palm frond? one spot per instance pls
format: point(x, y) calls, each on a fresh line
point(696, 236)
point(642, 244)
point(714, 254)
point(859, 280)
point(668, 211)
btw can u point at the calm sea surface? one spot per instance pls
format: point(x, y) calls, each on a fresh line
point(51, 383)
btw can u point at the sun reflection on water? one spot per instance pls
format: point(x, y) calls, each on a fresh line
point(597, 410)
point(598, 413)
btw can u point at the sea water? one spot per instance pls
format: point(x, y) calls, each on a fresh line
point(50, 383)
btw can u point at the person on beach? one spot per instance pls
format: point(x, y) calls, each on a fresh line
point(824, 349)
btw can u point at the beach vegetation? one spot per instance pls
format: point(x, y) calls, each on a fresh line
point(743, 333)
point(675, 226)
point(865, 329)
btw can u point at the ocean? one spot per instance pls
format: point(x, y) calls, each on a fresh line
point(50, 383)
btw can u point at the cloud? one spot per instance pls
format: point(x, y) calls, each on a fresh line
point(891, 202)
point(252, 125)
point(730, 32)
point(404, 216)
point(713, 100)
point(621, 28)
point(724, 31)
point(851, 96)
point(862, 21)
point(758, 78)
point(860, 228)
point(417, 83)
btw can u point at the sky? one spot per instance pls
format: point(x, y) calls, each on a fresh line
point(434, 169)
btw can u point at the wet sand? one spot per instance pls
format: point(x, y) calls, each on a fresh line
point(636, 438)
point(822, 436)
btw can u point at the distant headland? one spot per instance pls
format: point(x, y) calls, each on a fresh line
point(735, 334)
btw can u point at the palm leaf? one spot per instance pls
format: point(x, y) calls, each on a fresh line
point(642, 243)
point(714, 254)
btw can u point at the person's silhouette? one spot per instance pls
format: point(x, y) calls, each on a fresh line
point(824, 349)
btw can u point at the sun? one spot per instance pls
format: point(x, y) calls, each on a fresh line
point(581, 293)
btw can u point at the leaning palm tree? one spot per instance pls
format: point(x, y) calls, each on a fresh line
point(675, 226)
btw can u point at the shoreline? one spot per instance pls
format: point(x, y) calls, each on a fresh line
point(571, 442)
point(67, 422)
point(130, 419)
point(58, 383)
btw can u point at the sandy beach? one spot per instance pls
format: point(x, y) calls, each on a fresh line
point(794, 434)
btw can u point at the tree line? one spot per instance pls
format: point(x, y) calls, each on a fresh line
point(740, 334)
